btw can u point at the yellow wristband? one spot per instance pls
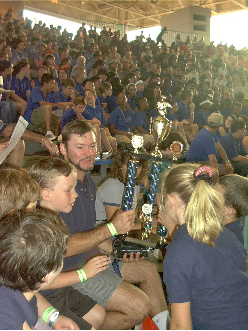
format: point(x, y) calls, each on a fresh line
point(82, 275)
point(112, 229)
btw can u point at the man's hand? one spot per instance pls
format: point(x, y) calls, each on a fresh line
point(123, 221)
point(65, 323)
point(132, 258)
point(52, 148)
point(96, 265)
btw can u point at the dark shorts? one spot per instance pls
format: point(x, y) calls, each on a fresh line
point(72, 304)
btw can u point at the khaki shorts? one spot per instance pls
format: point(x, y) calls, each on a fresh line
point(38, 119)
point(111, 138)
point(102, 286)
point(121, 138)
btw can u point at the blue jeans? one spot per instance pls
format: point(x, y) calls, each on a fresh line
point(8, 113)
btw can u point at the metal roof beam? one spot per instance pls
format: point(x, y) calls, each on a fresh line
point(239, 4)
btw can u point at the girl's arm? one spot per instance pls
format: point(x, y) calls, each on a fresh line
point(180, 316)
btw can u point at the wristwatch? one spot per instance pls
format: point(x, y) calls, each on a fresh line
point(53, 318)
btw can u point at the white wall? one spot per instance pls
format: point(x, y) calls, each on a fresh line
point(182, 21)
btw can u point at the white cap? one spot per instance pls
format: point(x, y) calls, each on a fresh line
point(139, 82)
point(206, 101)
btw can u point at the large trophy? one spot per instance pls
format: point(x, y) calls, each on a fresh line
point(159, 128)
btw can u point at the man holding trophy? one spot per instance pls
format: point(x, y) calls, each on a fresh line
point(125, 304)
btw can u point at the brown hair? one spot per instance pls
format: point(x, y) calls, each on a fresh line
point(17, 190)
point(32, 244)
point(68, 82)
point(75, 127)
point(21, 64)
point(122, 158)
point(46, 171)
point(235, 193)
point(104, 87)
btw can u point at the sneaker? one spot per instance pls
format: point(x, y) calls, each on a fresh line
point(50, 135)
point(107, 155)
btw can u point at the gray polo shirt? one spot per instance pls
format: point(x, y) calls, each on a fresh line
point(110, 193)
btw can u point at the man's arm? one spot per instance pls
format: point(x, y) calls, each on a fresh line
point(223, 155)
point(192, 112)
point(85, 241)
point(221, 152)
point(35, 137)
point(44, 103)
point(240, 158)
point(213, 161)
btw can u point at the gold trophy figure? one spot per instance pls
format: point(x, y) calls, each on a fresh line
point(160, 126)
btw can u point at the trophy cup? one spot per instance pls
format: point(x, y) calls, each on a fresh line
point(159, 128)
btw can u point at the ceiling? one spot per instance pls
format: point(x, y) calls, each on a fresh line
point(142, 13)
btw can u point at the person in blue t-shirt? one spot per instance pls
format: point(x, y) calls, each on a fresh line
point(205, 146)
point(225, 126)
point(108, 142)
point(37, 81)
point(64, 97)
point(186, 109)
point(39, 108)
point(131, 96)
point(62, 74)
point(233, 146)
point(79, 75)
point(32, 246)
point(143, 122)
point(122, 121)
point(140, 86)
point(77, 111)
point(201, 115)
point(20, 81)
point(177, 126)
point(205, 264)
point(234, 189)
point(106, 99)
point(9, 110)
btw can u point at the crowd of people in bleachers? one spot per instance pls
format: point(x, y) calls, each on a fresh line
point(122, 76)
point(92, 93)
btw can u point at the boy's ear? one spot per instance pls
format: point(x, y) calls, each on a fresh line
point(45, 193)
point(49, 278)
point(229, 211)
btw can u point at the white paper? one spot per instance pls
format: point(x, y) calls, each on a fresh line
point(16, 135)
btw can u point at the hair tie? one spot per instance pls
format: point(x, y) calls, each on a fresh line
point(204, 173)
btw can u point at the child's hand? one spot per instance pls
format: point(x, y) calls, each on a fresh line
point(80, 117)
point(96, 265)
point(3, 146)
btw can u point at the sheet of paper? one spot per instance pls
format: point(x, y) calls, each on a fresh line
point(16, 135)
